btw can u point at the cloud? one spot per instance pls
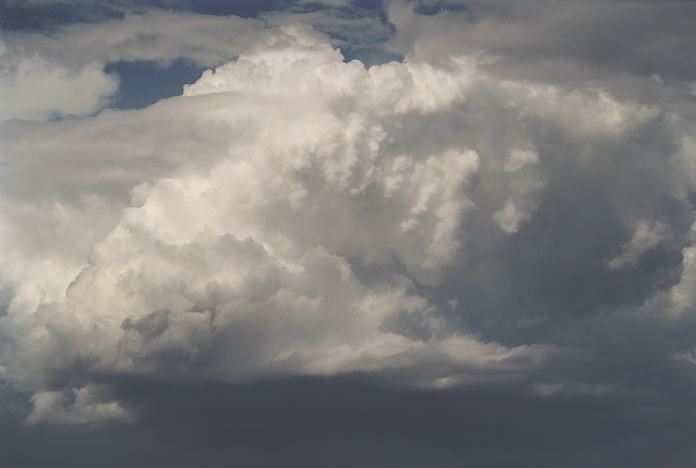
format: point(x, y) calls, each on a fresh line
point(84, 408)
point(36, 88)
point(458, 219)
point(612, 45)
point(524, 188)
point(266, 234)
point(645, 237)
point(57, 73)
point(61, 73)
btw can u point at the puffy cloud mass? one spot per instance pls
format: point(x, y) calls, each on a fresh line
point(63, 73)
point(282, 232)
point(432, 222)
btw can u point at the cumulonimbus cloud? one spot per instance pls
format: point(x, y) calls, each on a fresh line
point(279, 218)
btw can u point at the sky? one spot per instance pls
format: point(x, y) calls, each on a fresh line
point(343, 233)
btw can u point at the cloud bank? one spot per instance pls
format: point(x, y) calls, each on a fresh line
point(236, 261)
point(492, 218)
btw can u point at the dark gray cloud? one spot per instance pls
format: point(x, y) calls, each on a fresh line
point(641, 37)
point(343, 422)
point(610, 44)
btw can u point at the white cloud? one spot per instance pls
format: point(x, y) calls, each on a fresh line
point(519, 159)
point(681, 298)
point(62, 73)
point(79, 405)
point(59, 74)
point(524, 189)
point(36, 88)
point(274, 220)
point(646, 237)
